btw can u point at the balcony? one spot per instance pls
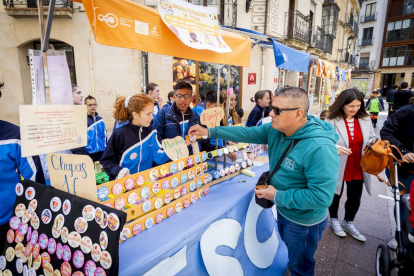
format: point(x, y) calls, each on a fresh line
point(227, 10)
point(407, 9)
point(368, 18)
point(366, 42)
point(328, 44)
point(297, 32)
point(363, 66)
point(317, 40)
point(28, 8)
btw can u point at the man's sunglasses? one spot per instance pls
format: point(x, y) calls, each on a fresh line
point(277, 110)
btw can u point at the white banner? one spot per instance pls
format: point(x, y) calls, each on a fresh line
point(196, 26)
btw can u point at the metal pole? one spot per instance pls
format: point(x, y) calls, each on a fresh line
point(218, 103)
point(227, 105)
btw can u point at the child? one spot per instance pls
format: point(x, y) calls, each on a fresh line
point(262, 99)
point(374, 106)
point(210, 100)
point(133, 147)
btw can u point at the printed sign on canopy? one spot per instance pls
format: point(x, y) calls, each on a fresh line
point(196, 26)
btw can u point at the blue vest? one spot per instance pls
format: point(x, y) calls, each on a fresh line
point(96, 134)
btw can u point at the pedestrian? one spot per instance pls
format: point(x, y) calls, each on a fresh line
point(262, 100)
point(351, 122)
point(303, 187)
point(76, 94)
point(153, 91)
point(135, 146)
point(170, 100)
point(374, 105)
point(398, 129)
point(390, 99)
point(402, 96)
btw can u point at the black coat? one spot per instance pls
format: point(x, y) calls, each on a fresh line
point(402, 98)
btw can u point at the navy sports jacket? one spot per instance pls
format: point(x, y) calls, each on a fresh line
point(256, 116)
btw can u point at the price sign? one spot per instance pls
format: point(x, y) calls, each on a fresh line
point(212, 117)
point(175, 148)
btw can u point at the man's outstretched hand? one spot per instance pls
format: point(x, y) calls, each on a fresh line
point(198, 130)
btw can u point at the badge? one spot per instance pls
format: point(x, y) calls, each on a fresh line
point(19, 250)
point(56, 233)
point(186, 203)
point(236, 148)
point(67, 253)
point(7, 273)
point(113, 222)
point(100, 272)
point(193, 199)
point(125, 233)
point(133, 156)
point(149, 223)
point(158, 203)
point(137, 229)
point(27, 216)
point(117, 189)
point(55, 204)
point(59, 251)
point(227, 171)
point(43, 241)
point(104, 222)
point(103, 240)
point(28, 250)
point(249, 162)
point(10, 254)
point(45, 258)
point(163, 170)
point(2, 263)
point(19, 189)
point(192, 186)
point(88, 212)
point(183, 190)
point(102, 192)
point(23, 228)
point(191, 174)
point(226, 151)
point(32, 272)
point(98, 215)
point(18, 238)
point(197, 158)
point(170, 211)
point(156, 187)
point(64, 234)
point(167, 198)
point(78, 259)
point(204, 167)
point(145, 192)
point(66, 269)
point(46, 216)
point(231, 149)
point(37, 262)
point(81, 225)
point(198, 171)
point(96, 252)
point(140, 180)
point(174, 182)
point(86, 245)
point(10, 236)
point(177, 193)
point(204, 156)
point(165, 185)
point(90, 268)
point(20, 210)
point(29, 234)
point(210, 177)
point(178, 207)
point(237, 167)
point(232, 168)
point(222, 172)
point(51, 247)
point(48, 269)
point(59, 222)
point(159, 217)
point(74, 239)
point(34, 221)
point(173, 167)
point(153, 174)
point(78, 273)
point(19, 266)
point(146, 206)
point(189, 161)
point(244, 164)
point(129, 183)
point(119, 204)
point(180, 165)
point(34, 236)
point(183, 178)
point(200, 193)
point(132, 199)
point(219, 153)
point(30, 193)
point(206, 190)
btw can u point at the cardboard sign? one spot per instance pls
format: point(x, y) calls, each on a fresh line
point(52, 128)
point(73, 174)
point(212, 117)
point(175, 148)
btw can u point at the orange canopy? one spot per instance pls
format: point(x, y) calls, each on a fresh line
point(126, 24)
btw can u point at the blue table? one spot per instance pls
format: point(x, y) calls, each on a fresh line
point(173, 247)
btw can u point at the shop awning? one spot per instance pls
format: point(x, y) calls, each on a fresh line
point(126, 24)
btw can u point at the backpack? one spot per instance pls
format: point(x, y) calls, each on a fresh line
point(377, 156)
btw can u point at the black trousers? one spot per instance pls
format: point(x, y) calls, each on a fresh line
point(353, 194)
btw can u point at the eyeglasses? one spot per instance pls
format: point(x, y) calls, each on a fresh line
point(277, 110)
point(92, 105)
point(179, 96)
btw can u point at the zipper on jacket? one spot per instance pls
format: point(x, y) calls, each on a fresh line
point(183, 134)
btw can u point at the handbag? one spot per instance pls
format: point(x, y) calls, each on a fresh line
point(264, 179)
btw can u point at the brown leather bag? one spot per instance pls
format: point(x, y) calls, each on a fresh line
point(377, 156)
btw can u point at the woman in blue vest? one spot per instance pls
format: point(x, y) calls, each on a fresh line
point(133, 147)
point(262, 99)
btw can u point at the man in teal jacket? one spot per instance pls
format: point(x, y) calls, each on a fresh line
point(304, 185)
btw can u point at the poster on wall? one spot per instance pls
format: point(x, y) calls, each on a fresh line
point(196, 26)
point(362, 84)
point(184, 70)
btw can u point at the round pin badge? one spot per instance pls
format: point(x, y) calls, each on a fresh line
point(29, 234)
point(66, 206)
point(88, 212)
point(204, 156)
point(51, 247)
point(34, 237)
point(129, 183)
point(86, 245)
point(96, 252)
point(244, 164)
point(204, 167)
point(193, 199)
point(158, 203)
point(37, 262)
point(56, 233)
point(59, 222)
point(27, 216)
point(237, 166)
point(90, 268)
point(191, 174)
point(19, 266)
point(197, 158)
point(222, 173)
point(132, 199)
point(210, 156)
point(167, 198)
point(18, 237)
point(103, 192)
point(178, 207)
point(104, 222)
point(165, 184)
point(119, 203)
point(7, 273)
point(183, 190)
point(163, 170)
point(159, 217)
point(81, 225)
point(153, 174)
point(64, 234)
point(19, 189)
point(59, 251)
point(156, 187)
point(226, 151)
point(103, 240)
point(117, 189)
point(181, 165)
point(19, 250)
point(149, 222)
point(219, 152)
point(173, 167)
point(55, 204)
point(205, 179)
point(46, 216)
point(43, 241)
point(183, 178)
point(100, 272)
point(137, 229)
point(231, 149)
point(146, 206)
point(198, 171)
point(189, 161)
point(177, 193)
point(140, 180)
point(249, 162)
point(10, 236)
point(232, 169)
point(23, 228)
point(30, 193)
point(98, 215)
point(145, 192)
point(170, 211)
point(192, 186)
point(245, 145)
point(125, 233)
point(227, 171)
point(200, 193)
point(174, 182)
point(113, 222)
point(206, 190)
point(20, 210)
point(78, 259)
point(78, 273)
point(10, 253)
point(199, 183)
point(236, 148)
point(186, 203)
point(210, 177)
point(66, 269)
point(74, 239)
point(48, 269)
point(45, 258)
point(2, 263)
point(67, 253)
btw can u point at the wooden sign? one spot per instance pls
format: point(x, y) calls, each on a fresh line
point(73, 174)
point(212, 117)
point(175, 148)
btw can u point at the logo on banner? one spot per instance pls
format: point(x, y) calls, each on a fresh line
point(110, 19)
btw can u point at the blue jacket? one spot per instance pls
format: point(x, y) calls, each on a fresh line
point(381, 104)
point(256, 116)
point(12, 165)
point(198, 109)
point(96, 134)
point(118, 125)
point(132, 147)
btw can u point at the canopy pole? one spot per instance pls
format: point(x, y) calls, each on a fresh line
point(218, 103)
point(227, 106)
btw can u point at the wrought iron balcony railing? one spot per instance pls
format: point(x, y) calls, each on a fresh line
point(363, 65)
point(368, 18)
point(317, 38)
point(297, 26)
point(22, 4)
point(366, 42)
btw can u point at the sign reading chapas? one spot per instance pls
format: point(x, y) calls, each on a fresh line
point(196, 26)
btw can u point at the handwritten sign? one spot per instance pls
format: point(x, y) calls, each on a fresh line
point(175, 148)
point(73, 174)
point(212, 117)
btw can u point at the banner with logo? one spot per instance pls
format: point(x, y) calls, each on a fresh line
point(196, 26)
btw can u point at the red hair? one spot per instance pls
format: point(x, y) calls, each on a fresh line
point(136, 104)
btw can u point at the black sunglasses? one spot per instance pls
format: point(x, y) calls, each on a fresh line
point(277, 110)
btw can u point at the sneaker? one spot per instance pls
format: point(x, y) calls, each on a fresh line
point(350, 228)
point(392, 244)
point(336, 227)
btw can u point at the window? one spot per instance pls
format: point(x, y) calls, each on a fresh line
point(330, 19)
point(399, 30)
point(395, 56)
point(408, 6)
point(363, 62)
point(370, 12)
point(367, 36)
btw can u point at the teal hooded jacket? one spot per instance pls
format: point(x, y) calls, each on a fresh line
point(307, 177)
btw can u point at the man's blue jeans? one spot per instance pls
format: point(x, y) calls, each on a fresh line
point(302, 242)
